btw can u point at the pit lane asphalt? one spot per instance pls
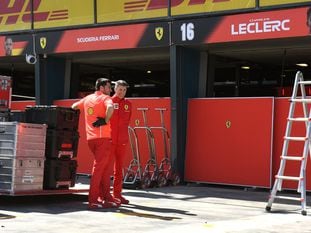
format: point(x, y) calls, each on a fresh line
point(184, 208)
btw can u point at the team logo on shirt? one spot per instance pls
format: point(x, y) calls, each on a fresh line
point(126, 107)
point(90, 111)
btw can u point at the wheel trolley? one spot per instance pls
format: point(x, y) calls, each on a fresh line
point(166, 175)
point(150, 173)
point(133, 175)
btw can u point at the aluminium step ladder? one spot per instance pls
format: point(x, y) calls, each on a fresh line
point(300, 98)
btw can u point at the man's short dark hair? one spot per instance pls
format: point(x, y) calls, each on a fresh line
point(101, 82)
point(121, 83)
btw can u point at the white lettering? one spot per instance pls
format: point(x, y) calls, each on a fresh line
point(284, 27)
point(250, 28)
point(242, 28)
point(233, 32)
point(258, 29)
point(97, 38)
point(271, 26)
point(87, 39)
point(256, 26)
point(110, 37)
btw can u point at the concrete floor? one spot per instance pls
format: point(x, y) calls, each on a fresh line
point(185, 208)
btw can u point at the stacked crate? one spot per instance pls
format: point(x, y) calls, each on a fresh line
point(22, 155)
point(62, 139)
point(5, 98)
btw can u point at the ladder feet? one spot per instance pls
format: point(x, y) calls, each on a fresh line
point(304, 212)
point(268, 208)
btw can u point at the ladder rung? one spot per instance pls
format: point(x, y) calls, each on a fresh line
point(299, 119)
point(301, 100)
point(289, 198)
point(297, 178)
point(296, 158)
point(296, 138)
point(305, 82)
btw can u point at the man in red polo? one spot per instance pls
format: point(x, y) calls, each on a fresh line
point(119, 133)
point(98, 109)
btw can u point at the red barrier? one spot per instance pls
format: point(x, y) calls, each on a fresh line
point(229, 141)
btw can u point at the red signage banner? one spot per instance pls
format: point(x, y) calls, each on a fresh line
point(104, 38)
point(243, 27)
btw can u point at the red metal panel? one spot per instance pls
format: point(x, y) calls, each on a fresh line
point(21, 105)
point(229, 141)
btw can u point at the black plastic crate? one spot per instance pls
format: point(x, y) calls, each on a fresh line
point(5, 115)
point(18, 116)
point(59, 174)
point(55, 117)
point(61, 144)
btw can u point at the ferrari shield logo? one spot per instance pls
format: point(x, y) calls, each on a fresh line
point(136, 122)
point(159, 32)
point(43, 42)
point(126, 107)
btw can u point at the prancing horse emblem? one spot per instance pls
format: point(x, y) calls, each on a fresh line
point(43, 42)
point(159, 32)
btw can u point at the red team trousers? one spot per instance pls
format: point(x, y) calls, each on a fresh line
point(100, 180)
point(118, 150)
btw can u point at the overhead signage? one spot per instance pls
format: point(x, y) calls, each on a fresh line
point(180, 7)
point(280, 2)
point(111, 11)
point(15, 15)
point(243, 27)
point(104, 38)
point(62, 13)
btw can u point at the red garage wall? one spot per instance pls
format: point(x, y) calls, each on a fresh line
point(229, 141)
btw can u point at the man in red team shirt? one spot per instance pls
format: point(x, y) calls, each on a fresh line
point(119, 133)
point(98, 109)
